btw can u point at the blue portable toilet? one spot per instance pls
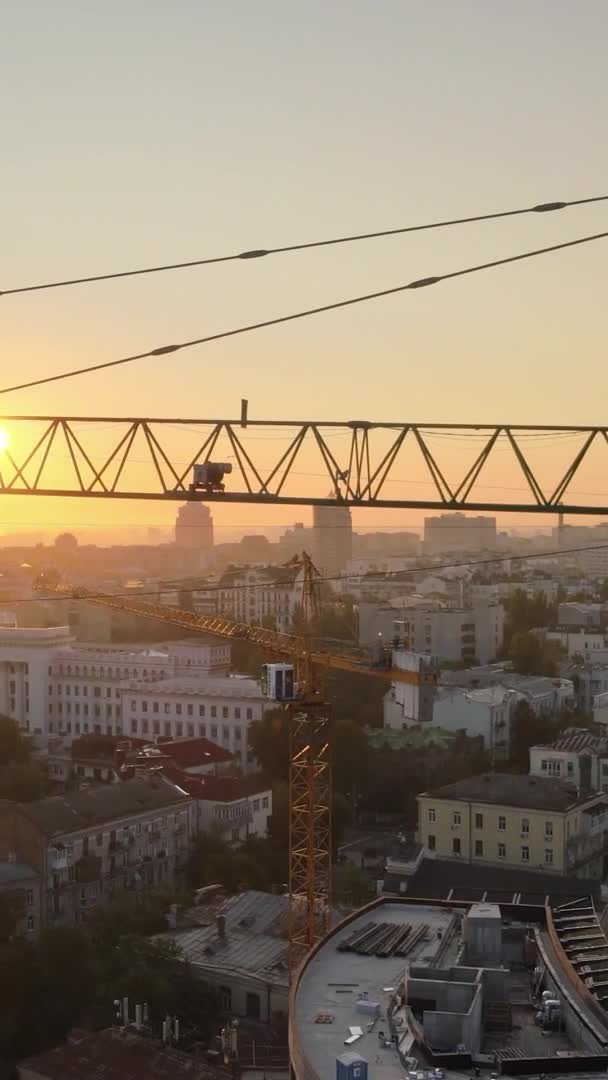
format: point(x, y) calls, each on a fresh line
point(351, 1066)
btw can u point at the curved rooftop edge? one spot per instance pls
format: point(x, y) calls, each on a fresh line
point(322, 992)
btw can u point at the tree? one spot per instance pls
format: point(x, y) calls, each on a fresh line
point(531, 654)
point(352, 886)
point(524, 613)
point(23, 781)
point(528, 729)
point(14, 749)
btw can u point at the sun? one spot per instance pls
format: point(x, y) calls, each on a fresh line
point(5, 439)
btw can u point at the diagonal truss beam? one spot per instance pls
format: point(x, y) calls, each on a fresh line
point(375, 464)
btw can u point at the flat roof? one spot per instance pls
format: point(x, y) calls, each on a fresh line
point(332, 982)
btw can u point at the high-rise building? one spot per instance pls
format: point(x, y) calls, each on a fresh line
point(332, 539)
point(457, 532)
point(194, 527)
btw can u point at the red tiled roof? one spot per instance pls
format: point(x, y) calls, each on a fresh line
point(188, 753)
point(116, 1056)
point(217, 788)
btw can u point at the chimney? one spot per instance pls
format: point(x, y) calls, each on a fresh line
point(220, 923)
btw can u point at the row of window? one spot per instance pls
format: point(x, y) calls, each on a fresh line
point(106, 673)
point(501, 850)
point(67, 710)
point(97, 728)
point(179, 709)
point(502, 822)
point(553, 767)
point(145, 728)
point(122, 835)
point(75, 690)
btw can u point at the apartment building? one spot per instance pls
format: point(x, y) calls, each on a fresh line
point(578, 756)
point(450, 634)
point(88, 845)
point(459, 532)
point(26, 657)
point(235, 807)
point(20, 888)
point(524, 822)
point(486, 712)
point(253, 594)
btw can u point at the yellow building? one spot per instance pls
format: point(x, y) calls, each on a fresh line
point(523, 822)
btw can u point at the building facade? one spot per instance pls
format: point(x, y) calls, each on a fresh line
point(578, 757)
point(459, 532)
point(332, 540)
point(221, 710)
point(454, 635)
point(88, 845)
point(524, 822)
point(20, 889)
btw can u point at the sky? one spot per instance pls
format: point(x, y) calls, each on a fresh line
point(149, 131)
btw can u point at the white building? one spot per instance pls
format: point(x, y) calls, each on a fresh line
point(454, 635)
point(592, 645)
point(220, 709)
point(449, 633)
point(578, 756)
point(52, 687)
point(487, 713)
point(409, 703)
point(459, 532)
point(576, 613)
point(26, 658)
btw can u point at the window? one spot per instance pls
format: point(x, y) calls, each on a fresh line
point(178, 709)
point(225, 712)
point(525, 854)
point(134, 725)
point(525, 826)
point(548, 830)
point(479, 821)
point(179, 729)
point(167, 728)
point(570, 767)
point(225, 733)
point(502, 851)
point(144, 706)
point(214, 731)
point(99, 839)
point(256, 805)
point(265, 803)
point(226, 998)
point(29, 897)
point(155, 706)
point(190, 710)
point(214, 710)
point(456, 817)
point(549, 856)
point(190, 729)
point(167, 708)
point(144, 727)
point(456, 845)
point(237, 714)
point(238, 734)
point(156, 727)
point(30, 922)
point(431, 842)
point(479, 847)
point(202, 730)
point(502, 824)
point(249, 714)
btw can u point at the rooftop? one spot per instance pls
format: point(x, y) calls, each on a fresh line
point(332, 981)
point(190, 753)
point(254, 941)
point(115, 1055)
point(447, 879)
point(14, 872)
point(577, 740)
point(78, 810)
point(233, 686)
point(510, 789)
point(224, 789)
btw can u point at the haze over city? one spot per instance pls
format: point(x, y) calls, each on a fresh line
point(303, 540)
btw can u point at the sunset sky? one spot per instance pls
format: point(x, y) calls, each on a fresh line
point(141, 131)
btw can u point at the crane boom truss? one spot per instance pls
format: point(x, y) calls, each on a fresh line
point(142, 458)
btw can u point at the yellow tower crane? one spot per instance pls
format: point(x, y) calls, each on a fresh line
point(310, 786)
